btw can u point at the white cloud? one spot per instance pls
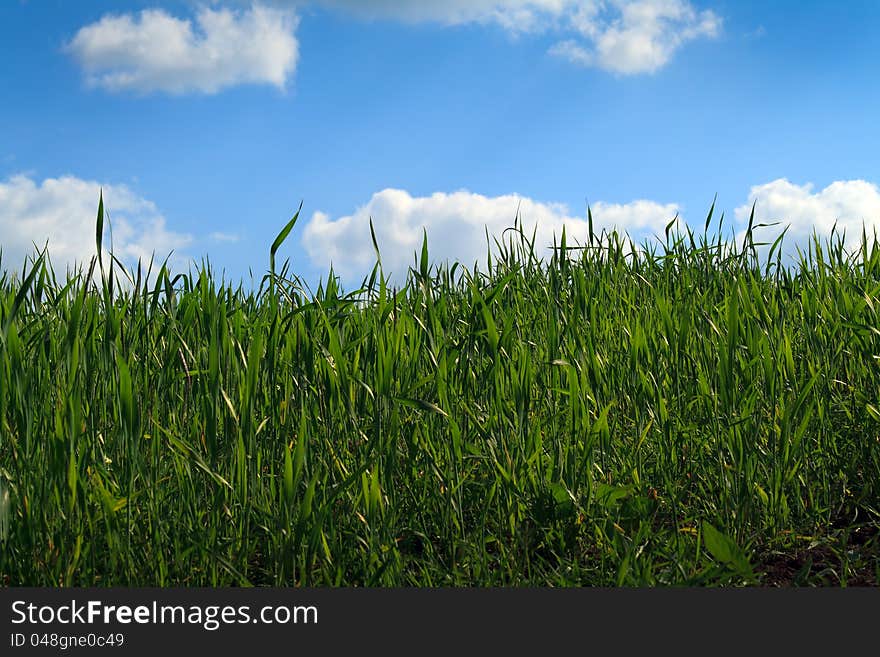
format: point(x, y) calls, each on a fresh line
point(155, 51)
point(63, 210)
point(456, 225)
point(218, 236)
point(574, 52)
point(626, 37)
point(853, 204)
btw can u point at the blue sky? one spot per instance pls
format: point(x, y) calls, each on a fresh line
point(207, 123)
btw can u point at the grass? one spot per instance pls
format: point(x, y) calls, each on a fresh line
point(686, 413)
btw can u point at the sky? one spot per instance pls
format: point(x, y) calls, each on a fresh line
point(206, 124)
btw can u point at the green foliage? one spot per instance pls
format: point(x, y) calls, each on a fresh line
point(590, 418)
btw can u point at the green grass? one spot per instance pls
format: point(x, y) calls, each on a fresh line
point(683, 414)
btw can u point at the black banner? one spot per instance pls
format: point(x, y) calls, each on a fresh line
point(405, 621)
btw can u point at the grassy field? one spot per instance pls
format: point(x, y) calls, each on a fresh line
point(690, 413)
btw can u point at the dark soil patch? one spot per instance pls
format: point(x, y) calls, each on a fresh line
point(822, 564)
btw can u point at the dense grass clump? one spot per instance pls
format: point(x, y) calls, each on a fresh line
point(689, 413)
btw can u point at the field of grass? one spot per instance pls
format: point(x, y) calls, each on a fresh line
point(685, 414)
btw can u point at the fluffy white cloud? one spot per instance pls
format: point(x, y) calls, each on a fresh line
point(456, 225)
point(635, 36)
point(154, 51)
point(622, 36)
point(62, 211)
point(853, 204)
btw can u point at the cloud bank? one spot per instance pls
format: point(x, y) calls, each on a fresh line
point(156, 52)
point(62, 211)
point(852, 204)
point(153, 51)
point(456, 225)
point(625, 37)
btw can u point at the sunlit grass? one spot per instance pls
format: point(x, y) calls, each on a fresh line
point(682, 413)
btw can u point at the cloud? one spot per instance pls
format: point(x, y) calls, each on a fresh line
point(853, 204)
point(456, 225)
point(625, 37)
point(63, 210)
point(632, 37)
point(218, 236)
point(156, 52)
